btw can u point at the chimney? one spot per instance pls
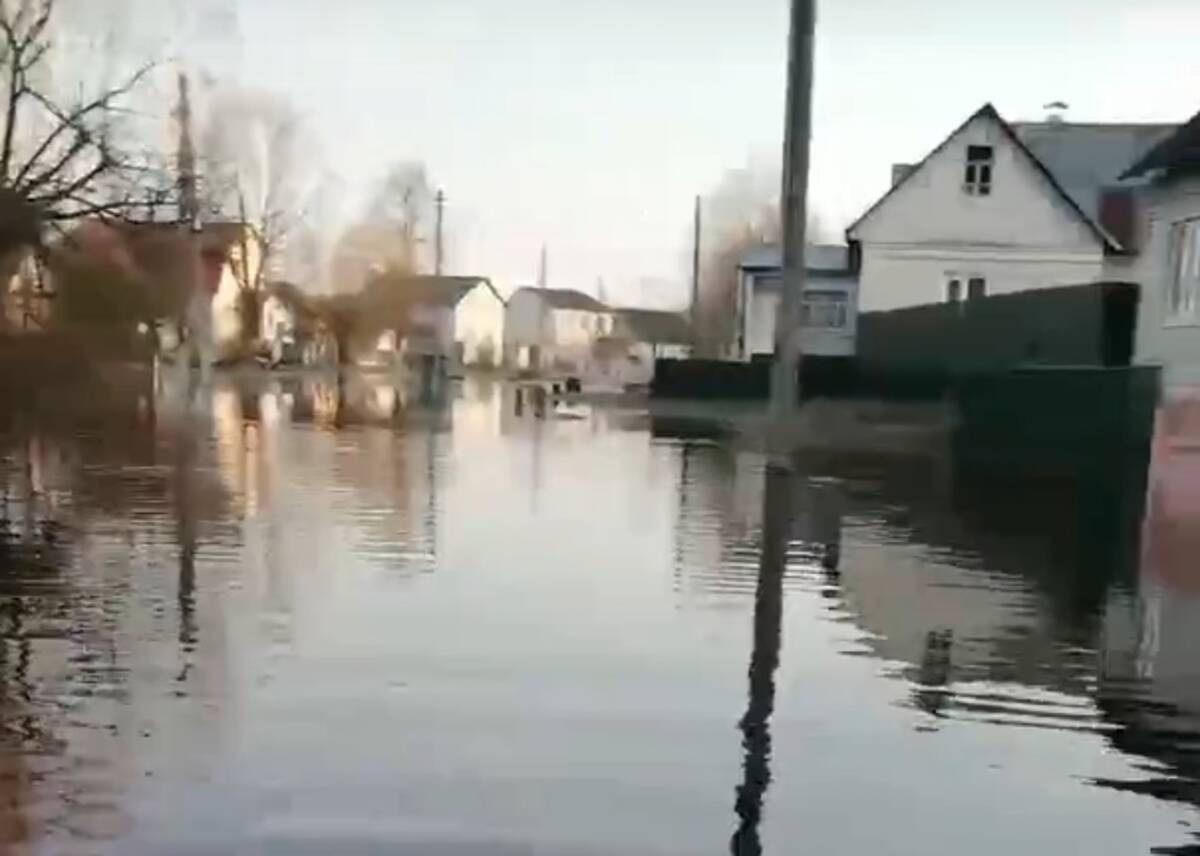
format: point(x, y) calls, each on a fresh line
point(900, 172)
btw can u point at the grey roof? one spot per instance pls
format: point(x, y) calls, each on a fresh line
point(1179, 151)
point(655, 326)
point(567, 298)
point(1085, 159)
point(422, 289)
point(818, 258)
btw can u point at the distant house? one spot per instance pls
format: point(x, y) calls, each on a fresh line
point(828, 311)
point(1168, 267)
point(999, 207)
point(554, 330)
point(452, 320)
point(638, 338)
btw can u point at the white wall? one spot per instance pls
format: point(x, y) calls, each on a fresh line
point(893, 277)
point(1174, 346)
point(524, 319)
point(479, 326)
point(763, 304)
point(1022, 236)
point(577, 327)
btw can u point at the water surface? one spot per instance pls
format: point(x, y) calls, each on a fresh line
point(292, 616)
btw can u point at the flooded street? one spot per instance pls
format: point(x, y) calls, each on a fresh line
point(290, 616)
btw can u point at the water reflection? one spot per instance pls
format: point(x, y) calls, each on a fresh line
point(321, 613)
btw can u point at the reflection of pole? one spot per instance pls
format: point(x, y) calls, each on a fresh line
point(764, 660)
point(797, 130)
point(185, 534)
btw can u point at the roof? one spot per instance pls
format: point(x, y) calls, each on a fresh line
point(1085, 159)
point(1177, 152)
point(421, 289)
point(655, 325)
point(567, 298)
point(818, 258)
point(1086, 180)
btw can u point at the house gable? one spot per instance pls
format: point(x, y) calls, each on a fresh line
point(1025, 207)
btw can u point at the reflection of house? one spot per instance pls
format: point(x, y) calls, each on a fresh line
point(828, 312)
point(998, 208)
point(554, 329)
point(1168, 267)
point(419, 317)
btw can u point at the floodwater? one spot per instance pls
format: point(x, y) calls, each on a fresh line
point(288, 617)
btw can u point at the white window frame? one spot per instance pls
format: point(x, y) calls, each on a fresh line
point(1181, 304)
point(951, 279)
point(964, 286)
point(825, 309)
point(979, 174)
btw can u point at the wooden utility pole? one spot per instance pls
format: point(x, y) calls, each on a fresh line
point(793, 202)
point(439, 247)
point(695, 305)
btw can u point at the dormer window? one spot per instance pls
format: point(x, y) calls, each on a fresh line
point(977, 180)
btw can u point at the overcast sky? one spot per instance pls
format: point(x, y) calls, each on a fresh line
point(590, 124)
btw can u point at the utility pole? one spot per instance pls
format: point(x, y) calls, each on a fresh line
point(439, 247)
point(541, 280)
point(793, 201)
point(695, 306)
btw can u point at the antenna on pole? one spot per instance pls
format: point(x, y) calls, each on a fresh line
point(695, 304)
point(439, 246)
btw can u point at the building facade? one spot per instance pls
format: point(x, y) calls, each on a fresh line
point(829, 309)
point(1168, 266)
point(999, 208)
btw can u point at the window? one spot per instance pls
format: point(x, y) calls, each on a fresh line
point(976, 288)
point(824, 309)
point(977, 180)
point(954, 290)
point(1183, 283)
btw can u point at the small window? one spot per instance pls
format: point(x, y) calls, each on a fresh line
point(954, 291)
point(1183, 286)
point(976, 288)
point(977, 177)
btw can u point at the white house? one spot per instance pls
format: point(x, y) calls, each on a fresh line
point(1168, 266)
point(828, 312)
point(998, 208)
point(456, 320)
point(479, 326)
point(554, 329)
point(641, 336)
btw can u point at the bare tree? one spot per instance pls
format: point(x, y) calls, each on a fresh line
point(259, 166)
point(62, 159)
point(392, 231)
point(741, 212)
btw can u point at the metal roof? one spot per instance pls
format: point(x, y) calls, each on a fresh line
point(1085, 159)
point(818, 258)
point(655, 325)
point(1179, 151)
point(567, 298)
